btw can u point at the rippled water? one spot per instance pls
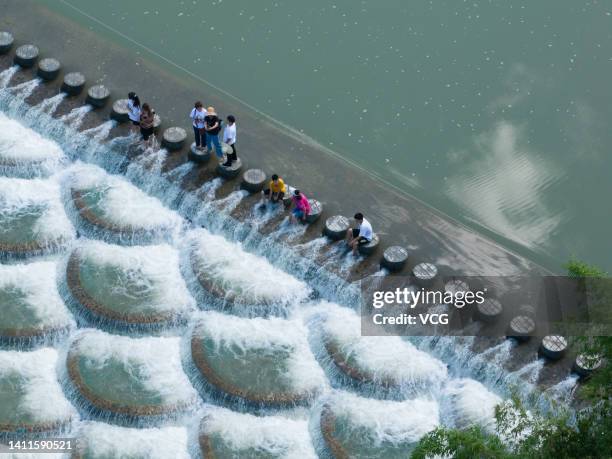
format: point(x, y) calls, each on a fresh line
point(171, 334)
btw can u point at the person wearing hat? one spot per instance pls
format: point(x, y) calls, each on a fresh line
point(212, 127)
point(302, 207)
point(360, 235)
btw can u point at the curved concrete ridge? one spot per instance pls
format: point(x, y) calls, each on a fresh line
point(30, 332)
point(341, 362)
point(200, 360)
point(72, 363)
point(328, 428)
point(73, 280)
point(216, 290)
point(97, 221)
point(33, 428)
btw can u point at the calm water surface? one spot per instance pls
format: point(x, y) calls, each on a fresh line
point(497, 113)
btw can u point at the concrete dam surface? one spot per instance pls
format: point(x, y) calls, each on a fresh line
point(151, 306)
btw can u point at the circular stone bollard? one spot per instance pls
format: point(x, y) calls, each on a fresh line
point(198, 156)
point(26, 56)
point(6, 42)
point(230, 171)
point(120, 112)
point(585, 364)
point(521, 328)
point(316, 209)
point(370, 247)
point(174, 138)
point(455, 286)
point(74, 82)
point(553, 347)
point(253, 180)
point(336, 227)
point(97, 95)
point(425, 273)
point(488, 311)
point(48, 68)
point(394, 258)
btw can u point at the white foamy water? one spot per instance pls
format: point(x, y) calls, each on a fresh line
point(17, 194)
point(303, 372)
point(152, 270)
point(25, 89)
point(42, 399)
point(38, 284)
point(157, 360)
point(470, 403)
point(105, 441)
point(6, 75)
point(76, 116)
point(20, 146)
point(50, 104)
point(243, 273)
point(123, 204)
point(386, 358)
point(279, 437)
point(386, 421)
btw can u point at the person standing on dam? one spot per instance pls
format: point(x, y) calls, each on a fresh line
point(197, 116)
point(229, 137)
point(213, 126)
point(147, 119)
point(361, 234)
point(133, 106)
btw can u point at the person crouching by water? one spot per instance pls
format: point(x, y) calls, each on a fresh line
point(197, 116)
point(213, 126)
point(229, 137)
point(276, 189)
point(360, 235)
point(147, 119)
point(134, 109)
point(302, 207)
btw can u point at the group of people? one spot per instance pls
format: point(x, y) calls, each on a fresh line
point(276, 191)
point(206, 128)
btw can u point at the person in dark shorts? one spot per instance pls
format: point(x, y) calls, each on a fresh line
point(147, 119)
point(361, 234)
point(276, 189)
point(197, 116)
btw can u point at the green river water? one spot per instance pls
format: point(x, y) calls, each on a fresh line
point(495, 112)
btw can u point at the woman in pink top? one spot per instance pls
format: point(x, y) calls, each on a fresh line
point(302, 207)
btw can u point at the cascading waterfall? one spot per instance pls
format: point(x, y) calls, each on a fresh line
point(269, 321)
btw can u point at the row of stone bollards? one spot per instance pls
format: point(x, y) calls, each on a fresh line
point(521, 327)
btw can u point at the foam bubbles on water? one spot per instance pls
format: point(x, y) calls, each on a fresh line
point(273, 436)
point(104, 441)
point(22, 150)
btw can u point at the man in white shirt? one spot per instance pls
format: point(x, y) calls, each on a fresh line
point(360, 235)
point(229, 137)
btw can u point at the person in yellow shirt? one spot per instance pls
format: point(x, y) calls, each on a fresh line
point(276, 189)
